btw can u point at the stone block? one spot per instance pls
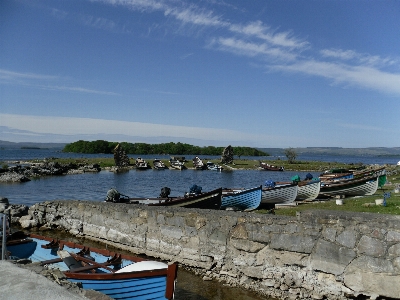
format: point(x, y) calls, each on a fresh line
point(367, 275)
point(246, 245)
point(393, 236)
point(274, 258)
point(347, 238)
point(218, 237)
point(171, 232)
point(329, 234)
point(253, 272)
point(394, 251)
point(293, 242)
point(331, 258)
point(239, 232)
point(371, 246)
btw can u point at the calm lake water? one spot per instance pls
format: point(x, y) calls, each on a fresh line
point(148, 183)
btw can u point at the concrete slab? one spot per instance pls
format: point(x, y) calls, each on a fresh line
point(23, 284)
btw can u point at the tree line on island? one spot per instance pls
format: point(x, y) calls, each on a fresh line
point(101, 146)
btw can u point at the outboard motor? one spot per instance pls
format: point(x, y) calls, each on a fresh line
point(295, 178)
point(309, 176)
point(270, 184)
point(165, 191)
point(195, 189)
point(112, 195)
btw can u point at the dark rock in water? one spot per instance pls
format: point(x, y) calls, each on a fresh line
point(121, 159)
point(227, 155)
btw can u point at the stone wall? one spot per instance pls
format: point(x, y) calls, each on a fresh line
point(317, 255)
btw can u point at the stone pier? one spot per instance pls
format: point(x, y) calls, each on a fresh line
point(316, 255)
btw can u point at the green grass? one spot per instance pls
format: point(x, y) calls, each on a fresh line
point(349, 204)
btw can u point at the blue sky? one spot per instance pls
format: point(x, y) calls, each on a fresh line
point(275, 73)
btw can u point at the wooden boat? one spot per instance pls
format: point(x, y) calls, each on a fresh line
point(141, 164)
point(279, 193)
point(198, 163)
point(268, 167)
point(308, 190)
point(159, 165)
point(241, 199)
point(117, 275)
point(350, 187)
point(208, 200)
point(213, 167)
point(341, 174)
point(177, 164)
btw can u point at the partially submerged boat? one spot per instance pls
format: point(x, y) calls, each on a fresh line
point(241, 199)
point(117, 275)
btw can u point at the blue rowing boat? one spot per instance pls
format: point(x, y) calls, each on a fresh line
point(119, 276)
point(241, 199)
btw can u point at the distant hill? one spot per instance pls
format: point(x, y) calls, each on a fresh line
point(26, 145)
point(395, 151)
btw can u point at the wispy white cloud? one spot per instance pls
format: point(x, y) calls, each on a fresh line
point(360, 76)
point(361, 58)
point(242, 47)
point(11, 75)
point(259, 30)
point(97, 22)
point(45, 82)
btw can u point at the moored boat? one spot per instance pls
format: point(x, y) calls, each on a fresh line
point(141, 164)
point(308, 190)
point(341, 174)
point(274, 193)
point(207, 200)
point(268, 167)
point(158, 164)
point(198, 163)
point(350, 187)
point(117, 275)
point(177, 164)
point(213, 167)
point(241, 199)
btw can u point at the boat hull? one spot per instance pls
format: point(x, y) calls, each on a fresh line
point(208, 200)
point(245, 200)
point(308, 190)
point(281, 194)
point(356, 187)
